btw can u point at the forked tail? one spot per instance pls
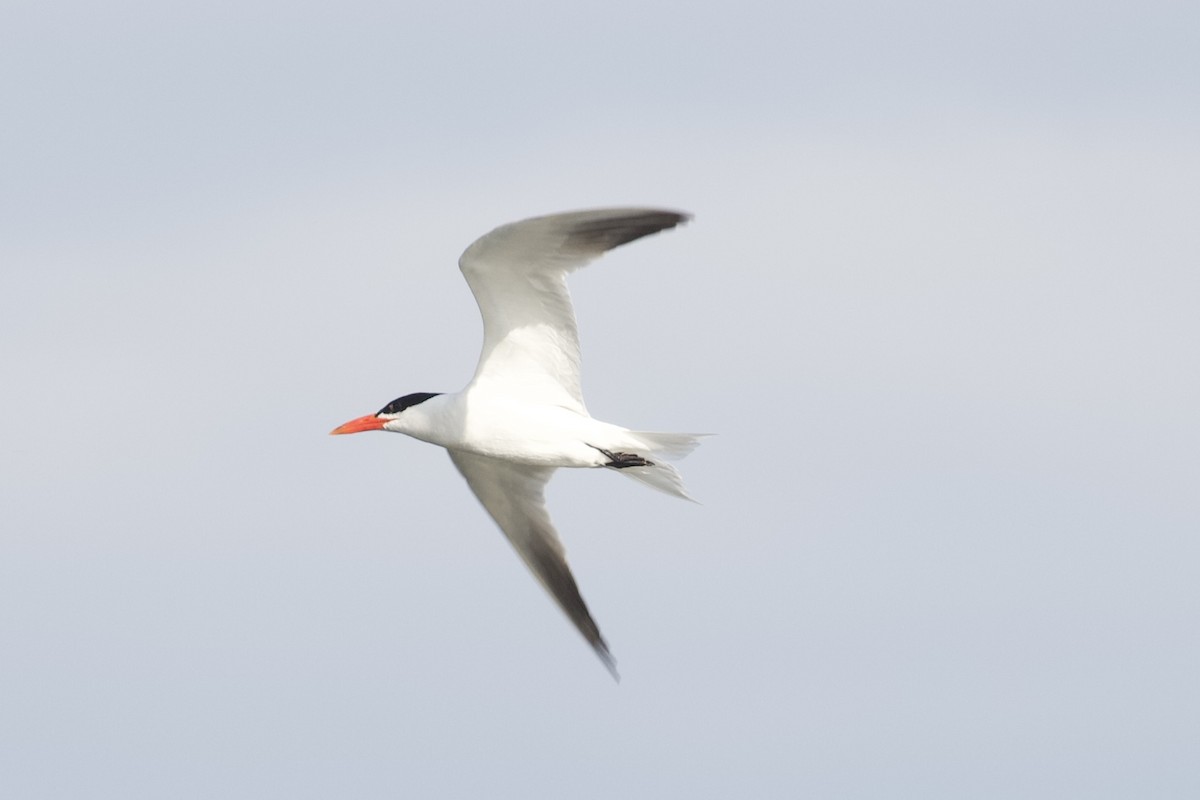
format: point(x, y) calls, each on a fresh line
point(658, 446)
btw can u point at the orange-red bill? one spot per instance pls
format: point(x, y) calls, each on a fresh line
point(368, 423)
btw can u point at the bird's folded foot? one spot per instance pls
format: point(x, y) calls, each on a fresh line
point(623, 460)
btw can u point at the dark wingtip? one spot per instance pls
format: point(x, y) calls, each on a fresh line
point(610, 663)
point(608, 233)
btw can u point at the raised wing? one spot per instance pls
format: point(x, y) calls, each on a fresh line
point(514, 496)
point(518, 276)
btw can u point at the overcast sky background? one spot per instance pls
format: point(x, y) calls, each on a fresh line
point(939, 300)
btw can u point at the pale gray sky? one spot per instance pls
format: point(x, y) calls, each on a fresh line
point(939, 301)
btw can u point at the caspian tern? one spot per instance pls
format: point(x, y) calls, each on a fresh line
point(522, 415)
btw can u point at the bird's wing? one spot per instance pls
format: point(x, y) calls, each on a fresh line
point(518, 276)
point(514, 495)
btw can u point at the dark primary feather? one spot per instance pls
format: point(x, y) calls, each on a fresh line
point(552, 571)
point(600, 235)
point(514, 496)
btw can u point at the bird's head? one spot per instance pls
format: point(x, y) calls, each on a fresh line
point(389, 418)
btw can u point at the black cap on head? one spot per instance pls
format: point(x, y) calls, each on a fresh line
point(401, 403)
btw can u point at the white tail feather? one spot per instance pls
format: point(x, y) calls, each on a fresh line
point(662, 476)
point(667, 445)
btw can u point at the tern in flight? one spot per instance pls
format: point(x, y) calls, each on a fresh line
point(522, 415)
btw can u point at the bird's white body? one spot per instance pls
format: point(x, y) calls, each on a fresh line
point(500, 427)
point(522, 415)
